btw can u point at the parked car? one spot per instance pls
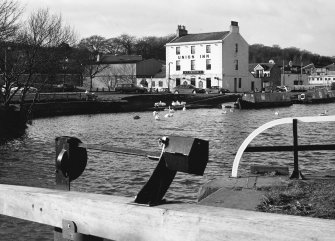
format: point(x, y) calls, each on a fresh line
point(64, 87)
point(216, 90)
point(20, 90)
point(129, 88)
point(187, 89)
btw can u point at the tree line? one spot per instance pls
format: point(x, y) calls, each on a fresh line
point(258, 53)
point(154, 47)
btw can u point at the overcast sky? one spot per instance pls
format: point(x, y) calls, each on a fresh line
point(305, 24)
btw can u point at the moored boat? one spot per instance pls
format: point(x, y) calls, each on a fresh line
point(316, 96)
point(263, 100)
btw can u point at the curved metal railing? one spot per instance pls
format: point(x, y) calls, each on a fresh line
point(295, 146)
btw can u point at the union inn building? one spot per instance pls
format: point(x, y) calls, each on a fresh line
point(209, 59)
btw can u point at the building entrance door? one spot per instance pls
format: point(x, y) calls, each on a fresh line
point(177, 81)
point(193, 81)
point(208, 82)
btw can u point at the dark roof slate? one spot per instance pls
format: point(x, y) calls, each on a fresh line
point(116, 59)
point(201, 37)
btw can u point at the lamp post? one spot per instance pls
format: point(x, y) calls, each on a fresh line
point(169, 77)
point(5, 67)
point(66, 60)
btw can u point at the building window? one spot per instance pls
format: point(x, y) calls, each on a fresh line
point(160, 83)
point(177, 81)
point(208, 48)
point(239, 83)
point(177, 50)
point(208, 64)
point(153, 84)
point(193, 81)
point(192, 64)
point(178, 65)
point(192, 49)
point(201, 84)
point(236, 64)
point(236, 48)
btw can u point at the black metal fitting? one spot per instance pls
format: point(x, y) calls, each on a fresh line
point(71, 161)
point(185, 154)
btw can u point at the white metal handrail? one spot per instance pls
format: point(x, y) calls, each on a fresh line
point(268, 125)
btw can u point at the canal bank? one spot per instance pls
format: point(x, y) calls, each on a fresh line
point(125, 103)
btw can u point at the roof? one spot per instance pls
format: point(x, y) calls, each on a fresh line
point(266, 66)
point(116, 59)
point(330, 67)
point(201, 37)
point(161, 74)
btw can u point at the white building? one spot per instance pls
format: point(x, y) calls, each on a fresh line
point(322, 76)
point(209, 59)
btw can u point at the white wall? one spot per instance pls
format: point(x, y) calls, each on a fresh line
point(228, 64)
point(222, 57)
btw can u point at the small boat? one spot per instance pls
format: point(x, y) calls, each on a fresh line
point(159, 104)
point(176, 105)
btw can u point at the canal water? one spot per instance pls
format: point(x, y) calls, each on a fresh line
point(29, 160)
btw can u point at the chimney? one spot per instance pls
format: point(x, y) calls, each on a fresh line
point(181, 31)
point(234, 27)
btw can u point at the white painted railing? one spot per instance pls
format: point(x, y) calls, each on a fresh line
point(268, 125)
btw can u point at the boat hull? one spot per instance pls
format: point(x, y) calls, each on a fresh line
point(263, 100)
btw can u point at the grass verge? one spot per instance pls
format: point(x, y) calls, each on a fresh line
point(313, 198)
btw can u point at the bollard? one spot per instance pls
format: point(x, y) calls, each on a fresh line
point(184, 154)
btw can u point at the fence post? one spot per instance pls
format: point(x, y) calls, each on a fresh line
point(296, 174)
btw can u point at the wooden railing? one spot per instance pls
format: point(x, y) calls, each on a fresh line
point(119, 218)
point(295, 148)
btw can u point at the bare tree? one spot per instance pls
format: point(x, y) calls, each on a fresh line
point(95, 43)
point(95, 46)
point(34, 48)
point(126, 43)
point(10, 13)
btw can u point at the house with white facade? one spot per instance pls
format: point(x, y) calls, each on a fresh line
point(322, 76)
point(209, 59)
point(267, 75)
point(113, 69)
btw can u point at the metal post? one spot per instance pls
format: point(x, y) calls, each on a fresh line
point(169, 77)
point(296, 174)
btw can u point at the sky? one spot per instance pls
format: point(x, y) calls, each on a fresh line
point(304, 24)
